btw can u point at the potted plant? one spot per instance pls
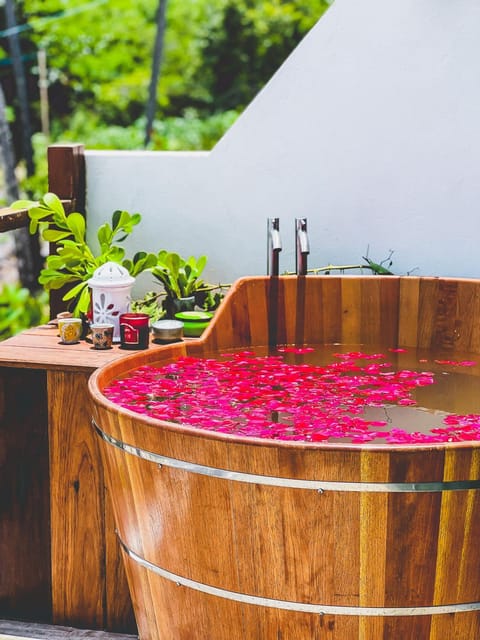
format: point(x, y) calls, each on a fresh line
point(74, 261)
point(183, 285)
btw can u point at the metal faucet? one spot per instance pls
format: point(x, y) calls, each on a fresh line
point(302, 246)
point(274, 246)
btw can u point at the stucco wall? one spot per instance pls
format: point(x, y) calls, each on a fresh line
point(370, 130)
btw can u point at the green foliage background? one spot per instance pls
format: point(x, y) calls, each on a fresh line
point(217, 55)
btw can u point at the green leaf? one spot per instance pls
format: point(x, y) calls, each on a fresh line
point(57, 281)
point(174, 261)
point(47, 272)
point(74, 291)
point(104, 236)
point(201, 264)
point(33, 226)
point(76, 223)
point(150, 261)
point(55, 262)
point(141, 262)
point(70, 251)
point(123, 222)
point(54, 203)
point(52, 235)
point(83, 302)
point(115, 254)
point(24, 204)
point(38, 213)
point(73, 244)
point(128, 264)
point(118, 219)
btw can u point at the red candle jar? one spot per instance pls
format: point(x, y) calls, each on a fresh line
point(134, 330)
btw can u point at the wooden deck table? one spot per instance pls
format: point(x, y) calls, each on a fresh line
point(60, 561)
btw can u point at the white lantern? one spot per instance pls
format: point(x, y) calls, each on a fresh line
point(111, 287)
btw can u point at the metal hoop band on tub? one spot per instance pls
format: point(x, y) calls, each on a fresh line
point(292, 483)
point(305, 607)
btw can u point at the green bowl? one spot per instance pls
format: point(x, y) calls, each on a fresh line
point(194, 322)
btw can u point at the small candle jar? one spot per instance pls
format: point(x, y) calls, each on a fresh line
point(134, 330)
point(165, 331)
point(70, 330)
point(102, 335)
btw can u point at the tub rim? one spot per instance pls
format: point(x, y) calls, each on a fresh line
point(95, 390)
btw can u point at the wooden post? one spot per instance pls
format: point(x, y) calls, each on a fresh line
point(66, 174)
point(66, 178)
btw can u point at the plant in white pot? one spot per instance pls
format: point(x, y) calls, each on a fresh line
point(74, 262)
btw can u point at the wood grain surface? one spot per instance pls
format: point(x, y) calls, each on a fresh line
point(25, 580)
point(335, 548)
point(60, 558)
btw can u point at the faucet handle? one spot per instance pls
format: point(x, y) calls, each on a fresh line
point(302, 245)
point(274, 246)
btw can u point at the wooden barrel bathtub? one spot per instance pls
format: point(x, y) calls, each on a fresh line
point(226, 538)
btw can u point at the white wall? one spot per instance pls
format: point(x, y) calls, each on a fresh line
point(371, 130)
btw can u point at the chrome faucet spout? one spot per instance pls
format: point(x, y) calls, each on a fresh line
point(274, 246)
point(302, 246)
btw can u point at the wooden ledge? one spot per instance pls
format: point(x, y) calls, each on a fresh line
point(13, 219)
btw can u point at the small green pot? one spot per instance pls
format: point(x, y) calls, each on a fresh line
point(194, 322)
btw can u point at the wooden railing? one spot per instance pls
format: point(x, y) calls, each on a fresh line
point(66, 178)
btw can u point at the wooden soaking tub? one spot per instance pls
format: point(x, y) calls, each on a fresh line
point(227, 538)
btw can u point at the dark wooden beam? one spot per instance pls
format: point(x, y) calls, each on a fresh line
point(13, 219)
